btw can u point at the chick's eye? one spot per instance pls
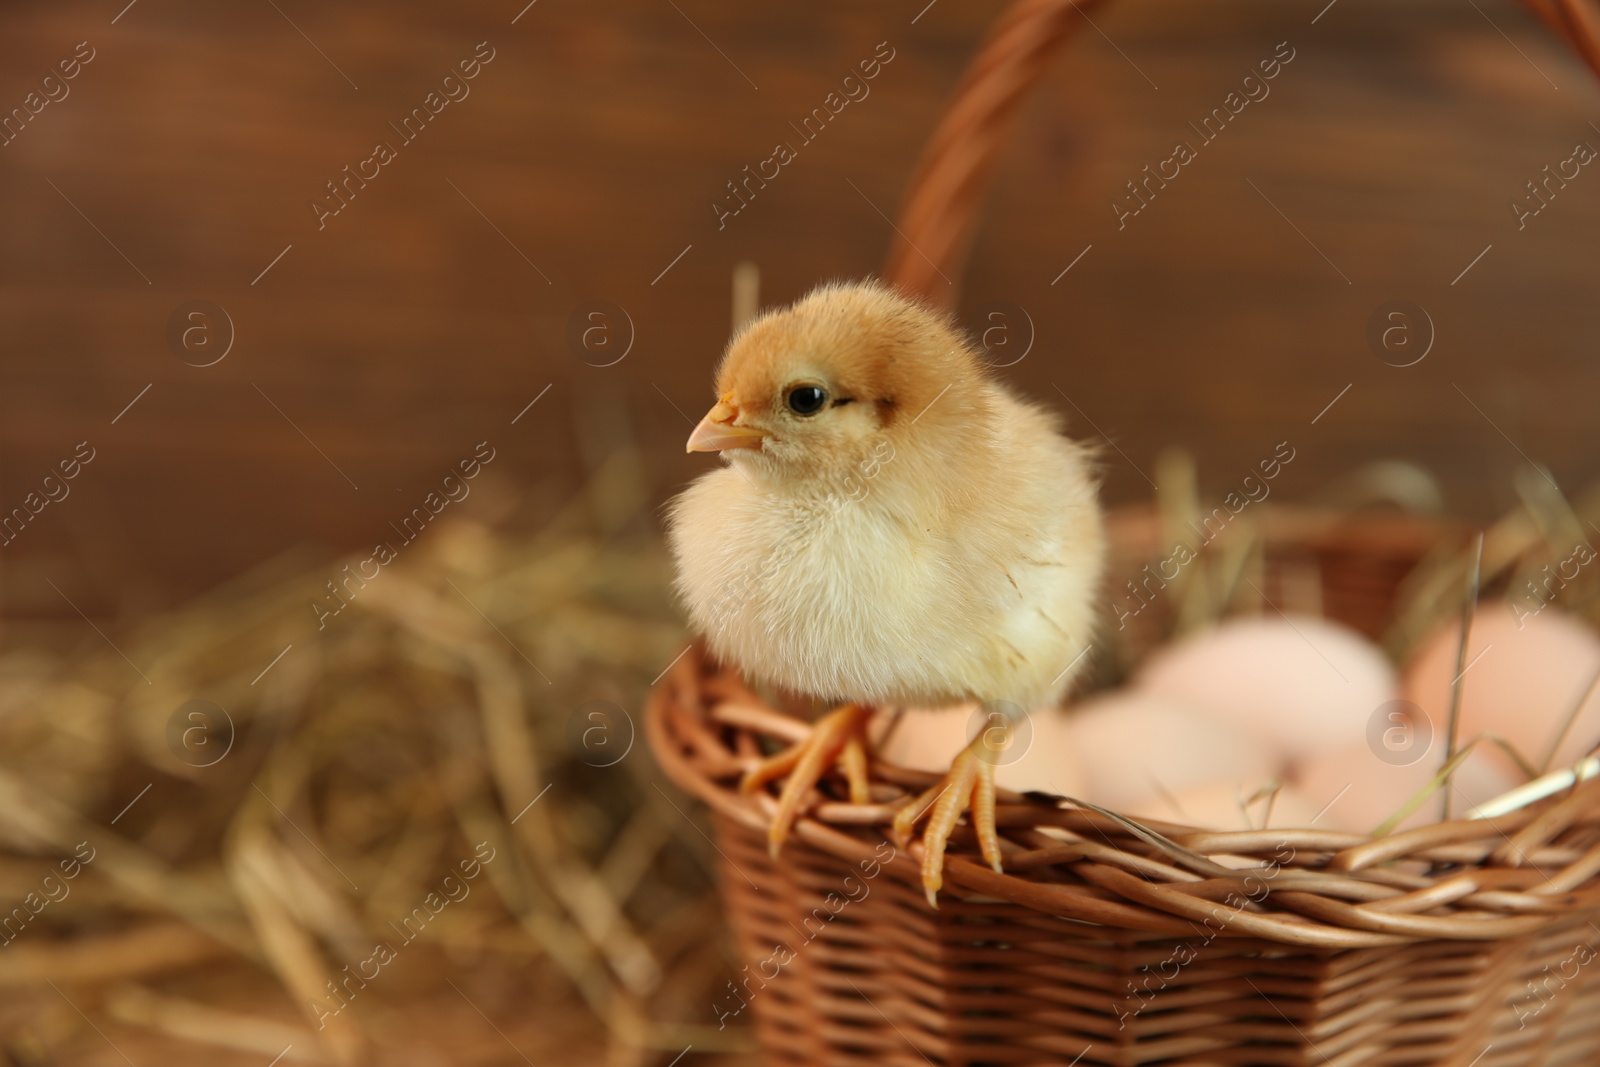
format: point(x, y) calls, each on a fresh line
point(807, 399)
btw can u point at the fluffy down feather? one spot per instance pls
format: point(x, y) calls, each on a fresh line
point(924, 538)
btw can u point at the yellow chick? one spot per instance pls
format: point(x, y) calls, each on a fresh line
point(892, 527)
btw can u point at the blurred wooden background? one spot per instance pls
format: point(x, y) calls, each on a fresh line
point(378, 351)
point(372, 355)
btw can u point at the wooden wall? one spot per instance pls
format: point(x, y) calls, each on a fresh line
point(391, 338)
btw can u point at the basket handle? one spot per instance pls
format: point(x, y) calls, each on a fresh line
point(940, 212)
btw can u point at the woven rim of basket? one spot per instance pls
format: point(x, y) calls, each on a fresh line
point(1492, 878)
point(940, 211)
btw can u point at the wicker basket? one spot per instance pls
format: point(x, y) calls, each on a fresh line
point(1465, 943)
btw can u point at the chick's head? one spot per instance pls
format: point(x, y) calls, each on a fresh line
point(811, 388)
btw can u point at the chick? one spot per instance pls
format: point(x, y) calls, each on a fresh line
point(892, 528)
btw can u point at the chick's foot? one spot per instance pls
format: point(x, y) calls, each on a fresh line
point(837, 739)
point(970, 784)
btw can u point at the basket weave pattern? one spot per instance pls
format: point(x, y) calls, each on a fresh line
point(1333, 948)
point(1462, 944)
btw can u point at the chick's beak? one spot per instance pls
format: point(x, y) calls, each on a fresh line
point(717, 431)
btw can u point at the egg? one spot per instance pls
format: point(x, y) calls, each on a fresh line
point(1220, 806)
point(1040, 756)
point(1524, 676)
point(1304, 685)
point(1133, 745)
point(1356, 789)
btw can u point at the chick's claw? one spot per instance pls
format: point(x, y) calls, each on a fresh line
point(970, 783)
point(838, 738)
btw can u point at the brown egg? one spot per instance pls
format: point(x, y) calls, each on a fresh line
point(1358, 789)
point(1221, 806)
point(1523, 678)
point(1303, 685)
point(1133, 745)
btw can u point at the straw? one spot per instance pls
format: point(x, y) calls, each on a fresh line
point(1567, 722)
point(1468, 607)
